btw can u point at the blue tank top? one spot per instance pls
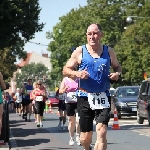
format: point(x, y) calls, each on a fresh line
point(98, 69)
point(28, 87)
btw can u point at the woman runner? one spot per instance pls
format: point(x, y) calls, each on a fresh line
point(40, 96)
point(69, 86)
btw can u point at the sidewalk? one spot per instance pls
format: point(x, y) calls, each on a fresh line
point(25, 135)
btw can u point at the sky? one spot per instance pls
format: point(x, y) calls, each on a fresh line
point(50, 13)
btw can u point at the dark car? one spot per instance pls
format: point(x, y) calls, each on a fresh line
point(143, 102)
point(124, 101)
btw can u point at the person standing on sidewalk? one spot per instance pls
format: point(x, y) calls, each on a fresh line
point(61, 109)
point(2, 87)
point(70, 86)
point(39, 95)
point(93, 101)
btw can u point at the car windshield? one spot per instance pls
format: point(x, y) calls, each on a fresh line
point(128, 92)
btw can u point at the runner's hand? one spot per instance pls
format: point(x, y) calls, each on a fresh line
point(114, 76)
point(83, 74)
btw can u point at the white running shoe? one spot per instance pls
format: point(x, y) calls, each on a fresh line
point(71, 142)
point(78, 140)
point(41, 125)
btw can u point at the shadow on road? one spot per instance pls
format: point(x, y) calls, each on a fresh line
point(31, 142)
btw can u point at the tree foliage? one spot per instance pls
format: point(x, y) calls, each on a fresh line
point(131, 45)
point(19, 20)
point(35, 72)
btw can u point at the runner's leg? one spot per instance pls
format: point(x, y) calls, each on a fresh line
point(102, 119)
point(86, 122)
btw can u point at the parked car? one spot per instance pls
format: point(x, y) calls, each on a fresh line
point(53, 100)
point(143, 102)
point(112, 90)
point(124, 101)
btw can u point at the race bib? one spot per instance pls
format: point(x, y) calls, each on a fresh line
point(39, 98)
point(71, 97)
point(98, 100)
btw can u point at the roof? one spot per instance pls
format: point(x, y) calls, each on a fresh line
point(35, 58)
point(24, 62)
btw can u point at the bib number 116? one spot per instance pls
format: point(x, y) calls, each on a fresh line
point(99, 101)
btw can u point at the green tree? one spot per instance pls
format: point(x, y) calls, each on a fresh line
point(36, 72)
point(112, 17)
point(19, 20)
point(133, 48)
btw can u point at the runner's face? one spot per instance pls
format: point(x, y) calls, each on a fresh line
point(93, 35)
point(39, 85)
point(30, 82)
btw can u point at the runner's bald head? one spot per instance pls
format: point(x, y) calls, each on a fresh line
point(96, 26)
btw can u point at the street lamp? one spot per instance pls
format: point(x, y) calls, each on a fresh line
point(129, 18)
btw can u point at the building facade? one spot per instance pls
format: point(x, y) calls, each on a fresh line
point(32, 57)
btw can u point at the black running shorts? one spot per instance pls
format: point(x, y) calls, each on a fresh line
point(87, 115)
point(25, 102)
point(61, 105)
point(18, 105)
point(39, 107)
point(71, 109)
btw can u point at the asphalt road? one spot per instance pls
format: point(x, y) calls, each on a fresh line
point(25, 135)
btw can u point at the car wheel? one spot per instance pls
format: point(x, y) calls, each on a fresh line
point(140, 119)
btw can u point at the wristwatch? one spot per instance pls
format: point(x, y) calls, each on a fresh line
point(119, 73)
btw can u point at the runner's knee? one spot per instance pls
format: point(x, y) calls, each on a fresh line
point(101, 130)
point(86, 138)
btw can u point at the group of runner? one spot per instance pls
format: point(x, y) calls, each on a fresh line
point(83, 94)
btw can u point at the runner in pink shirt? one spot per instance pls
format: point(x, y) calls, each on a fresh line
point(69, 86)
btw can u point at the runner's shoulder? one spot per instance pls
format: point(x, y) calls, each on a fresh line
point(78, 49)
point(109, 48)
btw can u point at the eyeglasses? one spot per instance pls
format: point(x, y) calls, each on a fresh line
point(39, 84)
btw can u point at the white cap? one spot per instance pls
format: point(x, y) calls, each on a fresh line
point(18, 89)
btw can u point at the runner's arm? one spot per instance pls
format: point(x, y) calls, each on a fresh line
point(69, 68)
point(62, 88)
point(114, 61)
point(2, 83)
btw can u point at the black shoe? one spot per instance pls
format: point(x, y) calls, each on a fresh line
point(25, 118)
point(38, 125)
